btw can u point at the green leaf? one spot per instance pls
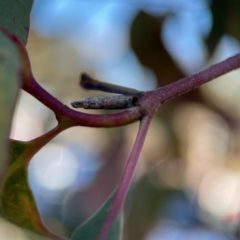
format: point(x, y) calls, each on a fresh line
point(12, 231)
point(17, 201)
point(14, 16)
point(91, 228)
point(10, 64)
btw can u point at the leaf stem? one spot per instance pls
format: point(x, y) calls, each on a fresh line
point(39, 142)
point(126, 177)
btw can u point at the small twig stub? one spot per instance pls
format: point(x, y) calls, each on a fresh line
point(91, 84)
point(127, 97)
point(111, 102)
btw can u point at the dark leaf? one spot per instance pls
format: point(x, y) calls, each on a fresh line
point(226, 20)
point(14, 16)
point(148, 46)
point(219, 14)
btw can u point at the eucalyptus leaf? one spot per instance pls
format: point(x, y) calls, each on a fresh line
point(15, 17)
point(10, 64)
point(92, 227)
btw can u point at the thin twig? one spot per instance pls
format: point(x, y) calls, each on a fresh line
point(126, 177)
point(92, 84)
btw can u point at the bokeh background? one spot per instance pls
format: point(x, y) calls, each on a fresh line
point(187, 183)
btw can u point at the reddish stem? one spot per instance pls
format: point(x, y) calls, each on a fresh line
point(37, 143)
point(64, 114)
point(191, 82)
point(73, 118)
point(126, 177)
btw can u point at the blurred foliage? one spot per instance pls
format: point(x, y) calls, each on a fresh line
point(226, 16)
point(147, 203)
point(147, 44)
point(10, 65)
point(92, 228)
point(148, 47)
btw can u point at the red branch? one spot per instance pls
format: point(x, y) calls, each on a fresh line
point(159, 96)
point(71, 118)
point(191, 82)
point(126, 177)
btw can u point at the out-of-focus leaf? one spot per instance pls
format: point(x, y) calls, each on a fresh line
point(14, 16)
point(219, 12)
point(17, 202)
point(226, 19)
point(233, 18)
point(91, 228)
point(146, 202)
point(147, 45)
point(10, 64)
